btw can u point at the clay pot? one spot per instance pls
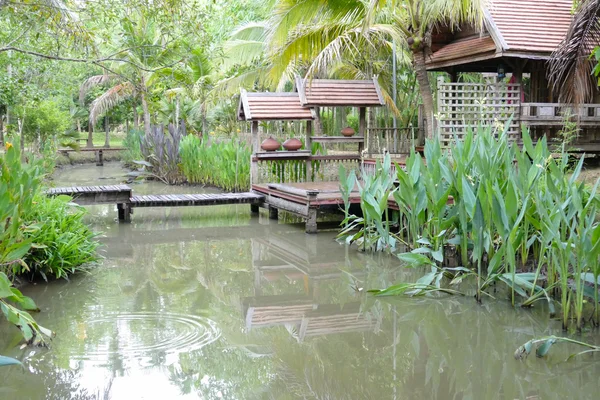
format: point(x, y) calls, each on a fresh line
point(348, 131)
point(292, 144)
point(270, 144)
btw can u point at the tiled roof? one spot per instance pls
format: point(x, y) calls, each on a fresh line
point(457, 51)
point(272, 106)
point(531, 25)
point(332, 93)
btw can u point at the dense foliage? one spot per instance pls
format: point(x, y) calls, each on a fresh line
point(225, 164)
point(39, 236)
point(505, 214)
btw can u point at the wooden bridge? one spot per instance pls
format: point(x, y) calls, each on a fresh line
point(122, 196)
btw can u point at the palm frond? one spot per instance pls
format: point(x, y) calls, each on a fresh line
point(93, 81)
point(570, 69)
point(110, 99)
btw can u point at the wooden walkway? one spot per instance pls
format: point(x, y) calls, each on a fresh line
point(179, 200)
point(87, 195)
point(122, 196)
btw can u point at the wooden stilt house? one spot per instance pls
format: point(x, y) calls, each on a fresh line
point(515, 45)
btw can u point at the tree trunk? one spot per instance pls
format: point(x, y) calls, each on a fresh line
point(90, 139)
point(79, 126)
point(204, 124)
point(425, 90)
point(1, 130)
point(106, 132)
point(145, 107)
point(21, 122)
point(136, 121)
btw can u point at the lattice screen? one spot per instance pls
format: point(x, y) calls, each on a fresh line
point(462, 105)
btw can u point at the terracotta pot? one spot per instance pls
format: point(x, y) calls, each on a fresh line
point(292, 144)
point(348, 131)
point(270, 144)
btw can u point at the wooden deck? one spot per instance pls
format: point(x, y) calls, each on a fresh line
point(182, 200)
point(307, 199)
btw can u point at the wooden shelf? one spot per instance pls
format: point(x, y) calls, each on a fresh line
point(338, 139)
point(286, 155)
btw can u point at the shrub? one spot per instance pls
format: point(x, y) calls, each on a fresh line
point(63, 243)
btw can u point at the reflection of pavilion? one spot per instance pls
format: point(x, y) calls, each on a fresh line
point(302, 257)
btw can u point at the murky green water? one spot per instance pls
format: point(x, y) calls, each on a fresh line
point(209, 303)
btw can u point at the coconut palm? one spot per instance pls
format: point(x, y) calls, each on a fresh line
point(570, 68)
point(147, 52)
point(349, 38)
point(194, 75)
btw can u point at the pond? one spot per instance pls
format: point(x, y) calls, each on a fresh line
point(210, 303)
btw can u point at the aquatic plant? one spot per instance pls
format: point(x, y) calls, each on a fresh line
point(225, 164)
point(5, 361)
point(510, 215)
point(544, 344)
point(162, 151)
point(132, 144)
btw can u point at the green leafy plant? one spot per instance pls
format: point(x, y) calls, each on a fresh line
point(6, 361)
point(511, 215)
point(543, 345)
point(14, 306)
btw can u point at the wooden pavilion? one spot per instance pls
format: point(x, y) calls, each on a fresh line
point(295, 186)
point(518, 39)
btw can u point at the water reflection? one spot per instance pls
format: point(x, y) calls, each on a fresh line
point(211, 303)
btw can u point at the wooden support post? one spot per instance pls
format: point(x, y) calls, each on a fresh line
point(124, 210)
point(99, 158)
point(311, 221)
point(255, 149)
point(362, 129)
point(308, 146)
point(273, 213)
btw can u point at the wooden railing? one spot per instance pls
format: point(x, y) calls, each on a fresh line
point(281, 168)
point(554, 114)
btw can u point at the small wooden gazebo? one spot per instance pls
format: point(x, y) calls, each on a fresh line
point(298, 195)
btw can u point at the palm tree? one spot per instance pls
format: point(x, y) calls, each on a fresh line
point(147, 52)
point(570, 69)
point(350, 36)
point(195, 77)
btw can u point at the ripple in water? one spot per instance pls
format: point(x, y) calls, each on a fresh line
point(142, 334)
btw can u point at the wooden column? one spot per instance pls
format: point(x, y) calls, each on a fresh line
point(124, 210)
point(311, 213)
point(273, 213)
point(362, 128)
point(255, 149)
point(99, 158)
point(308, 146)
